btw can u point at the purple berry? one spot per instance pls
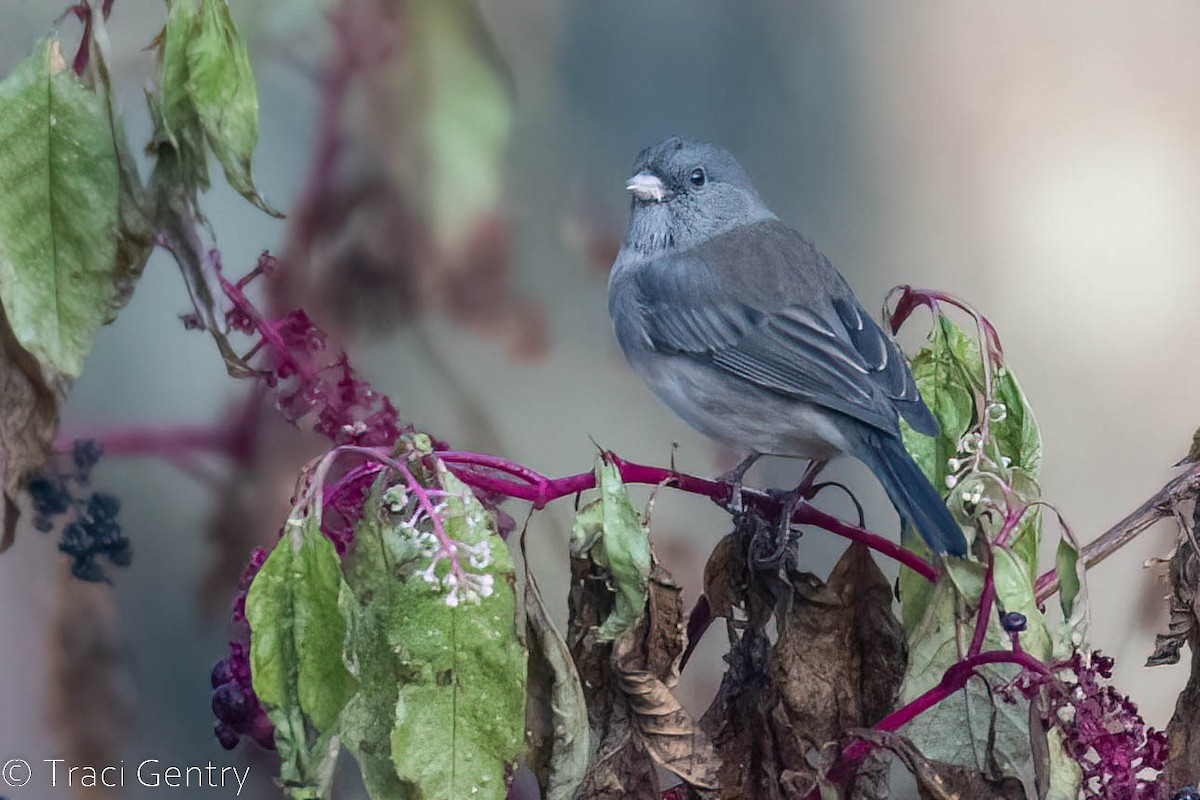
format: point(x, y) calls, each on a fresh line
point(226, 735)
point(231, 706)
point(222, 673)
point(1013, 621)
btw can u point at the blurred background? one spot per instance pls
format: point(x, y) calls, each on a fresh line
point(1039, 162)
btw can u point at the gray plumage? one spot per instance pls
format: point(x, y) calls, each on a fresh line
point(743, 328)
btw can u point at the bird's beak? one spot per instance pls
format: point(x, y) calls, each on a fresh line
point(647, 186)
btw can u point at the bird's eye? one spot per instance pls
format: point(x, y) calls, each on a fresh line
point(698, 177)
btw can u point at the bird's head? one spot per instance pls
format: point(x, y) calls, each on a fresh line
point(685, 192)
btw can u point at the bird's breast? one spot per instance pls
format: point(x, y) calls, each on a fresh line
point(733, 411)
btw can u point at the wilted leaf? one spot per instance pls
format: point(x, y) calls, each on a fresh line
point(179, 133)
point(725, 576)
point(556, 710)
point(1014, 592)
point(220, 85)
point(836, 665)
point(1183, 732)
point(840, 655)
point(610, 532)
point(27, 426)
point(460, 715)
point(637, 723)
point(1185, 579)
point(272, 609)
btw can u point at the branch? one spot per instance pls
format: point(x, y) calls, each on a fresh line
point(479, 472)
point(1159, 506)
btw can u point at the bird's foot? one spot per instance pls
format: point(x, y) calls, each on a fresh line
point(733, 479)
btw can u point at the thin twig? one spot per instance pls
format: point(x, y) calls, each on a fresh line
point(1158, 507)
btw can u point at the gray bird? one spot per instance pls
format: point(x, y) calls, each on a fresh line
point(743, 328)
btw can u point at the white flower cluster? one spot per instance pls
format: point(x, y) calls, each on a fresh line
point(460, 585)
point(426, 535)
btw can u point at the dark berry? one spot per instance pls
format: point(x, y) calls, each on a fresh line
point(230, 705)
point(120, 553)
point(226, 735)
point(43, 523)
point(222, 673)
point(49, 496)
point(85, 454)
point(76, 540)
point(86, 569)
point(1186, 793)
point(1013, 621)
point(103, 507)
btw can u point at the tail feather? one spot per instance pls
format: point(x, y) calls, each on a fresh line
point(912, 493)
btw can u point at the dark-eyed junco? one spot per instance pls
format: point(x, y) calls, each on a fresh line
point(743, 328)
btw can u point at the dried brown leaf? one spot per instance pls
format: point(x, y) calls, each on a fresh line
point(30, 400)
point(1183, 732)
point(836, 665)
point(556, 722)
point(725, 576)
point(637, 723)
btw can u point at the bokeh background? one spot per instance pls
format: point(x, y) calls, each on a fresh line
point(1038, 161)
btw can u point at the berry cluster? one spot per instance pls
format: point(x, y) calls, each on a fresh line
point(1102, 729)
point(307, 380)
point(1104, 732)
point(90, 529)
point(234, 703)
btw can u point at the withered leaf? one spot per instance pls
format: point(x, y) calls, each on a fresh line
point(30, 401)
point(836, 665)
point(556, 710)
point(1183, 732)
point(725, 576)
point(637, 723)
point(1185, 574)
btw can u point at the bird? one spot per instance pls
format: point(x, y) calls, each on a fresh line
point(743, 328)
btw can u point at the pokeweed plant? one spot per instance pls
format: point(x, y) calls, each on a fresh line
point(390, 618)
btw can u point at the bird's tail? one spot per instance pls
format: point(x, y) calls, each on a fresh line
point(912, 493)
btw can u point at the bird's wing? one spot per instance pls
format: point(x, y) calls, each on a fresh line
point(824, 348)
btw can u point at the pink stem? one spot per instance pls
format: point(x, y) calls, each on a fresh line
point(986, 600)
point(159, 442)
point(540, 490)
point(953, 679)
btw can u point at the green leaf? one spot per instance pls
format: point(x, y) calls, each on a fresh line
point(367, 720)
point(1014, 592)
point(296, 641)
point(59, 202)
point(1066, 777)
point(460, 718)
point(178, 130)
point(464, 106)
point(221, 85)
point(975, 711)
point(205, 96)
point(610, 531)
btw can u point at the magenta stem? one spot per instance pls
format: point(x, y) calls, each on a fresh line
point(158, 442)
point(540, 490)
point(953, 679)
